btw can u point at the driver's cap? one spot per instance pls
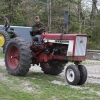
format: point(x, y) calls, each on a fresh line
point(37, 17)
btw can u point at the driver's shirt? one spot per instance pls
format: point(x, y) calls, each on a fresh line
point(35, 28)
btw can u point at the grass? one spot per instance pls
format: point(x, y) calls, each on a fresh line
point(1, 54)
point(38, 86)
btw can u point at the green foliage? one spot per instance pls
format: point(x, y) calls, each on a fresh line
point(22, 13)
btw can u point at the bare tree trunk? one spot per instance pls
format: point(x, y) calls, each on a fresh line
point(93, 12)
point(80, 15)
point(49, 14)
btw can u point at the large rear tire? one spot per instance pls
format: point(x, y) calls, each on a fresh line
point(52, 68)
point(15, 34)
point(4, 39)
point(18, 57)
point(72, 74)
point(83, 74)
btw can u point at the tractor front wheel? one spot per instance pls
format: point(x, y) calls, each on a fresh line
point(52, 68)
point(83, 74)
point(17, 57)
point(72, 74)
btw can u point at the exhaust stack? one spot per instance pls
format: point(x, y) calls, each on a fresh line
point(66, 22)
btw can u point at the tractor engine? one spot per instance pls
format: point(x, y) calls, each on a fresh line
point(57, 49)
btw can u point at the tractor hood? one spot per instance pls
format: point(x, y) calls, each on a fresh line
point(61, 36)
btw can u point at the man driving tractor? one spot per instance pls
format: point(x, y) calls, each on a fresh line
point(37, 29)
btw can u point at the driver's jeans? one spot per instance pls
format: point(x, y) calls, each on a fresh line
point(6, 28)
point(39, 38)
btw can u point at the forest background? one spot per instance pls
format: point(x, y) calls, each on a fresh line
point(84, 16)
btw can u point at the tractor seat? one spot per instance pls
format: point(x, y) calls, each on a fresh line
point(35, 38)
point(32, 33)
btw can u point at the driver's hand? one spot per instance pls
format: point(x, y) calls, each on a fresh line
point(41, 28)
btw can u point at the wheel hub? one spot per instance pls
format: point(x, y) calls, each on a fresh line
point(13, 57)
point(2, 40)
point(47, 65)
point(70, 75)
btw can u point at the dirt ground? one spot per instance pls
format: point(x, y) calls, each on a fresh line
point(93, 69)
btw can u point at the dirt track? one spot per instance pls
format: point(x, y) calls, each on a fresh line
point(93, 69)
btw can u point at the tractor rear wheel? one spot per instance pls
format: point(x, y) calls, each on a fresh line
point(83, 74)
point(4, 39)
point(17, 57)
point(52, 68)
point(72, 74)
point(15, 34)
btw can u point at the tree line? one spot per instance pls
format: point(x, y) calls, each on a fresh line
point(84, 16)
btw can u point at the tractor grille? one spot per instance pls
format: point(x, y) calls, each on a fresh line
point(80, 47)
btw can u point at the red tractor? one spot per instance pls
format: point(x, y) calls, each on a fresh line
point(55, 52)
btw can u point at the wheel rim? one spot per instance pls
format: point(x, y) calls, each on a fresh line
point(70, 75)
point(47, 65)
point(2, 40)
point(13, 57)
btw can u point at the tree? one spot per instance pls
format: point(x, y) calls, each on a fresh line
point(11, 9)
point(93, 13)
